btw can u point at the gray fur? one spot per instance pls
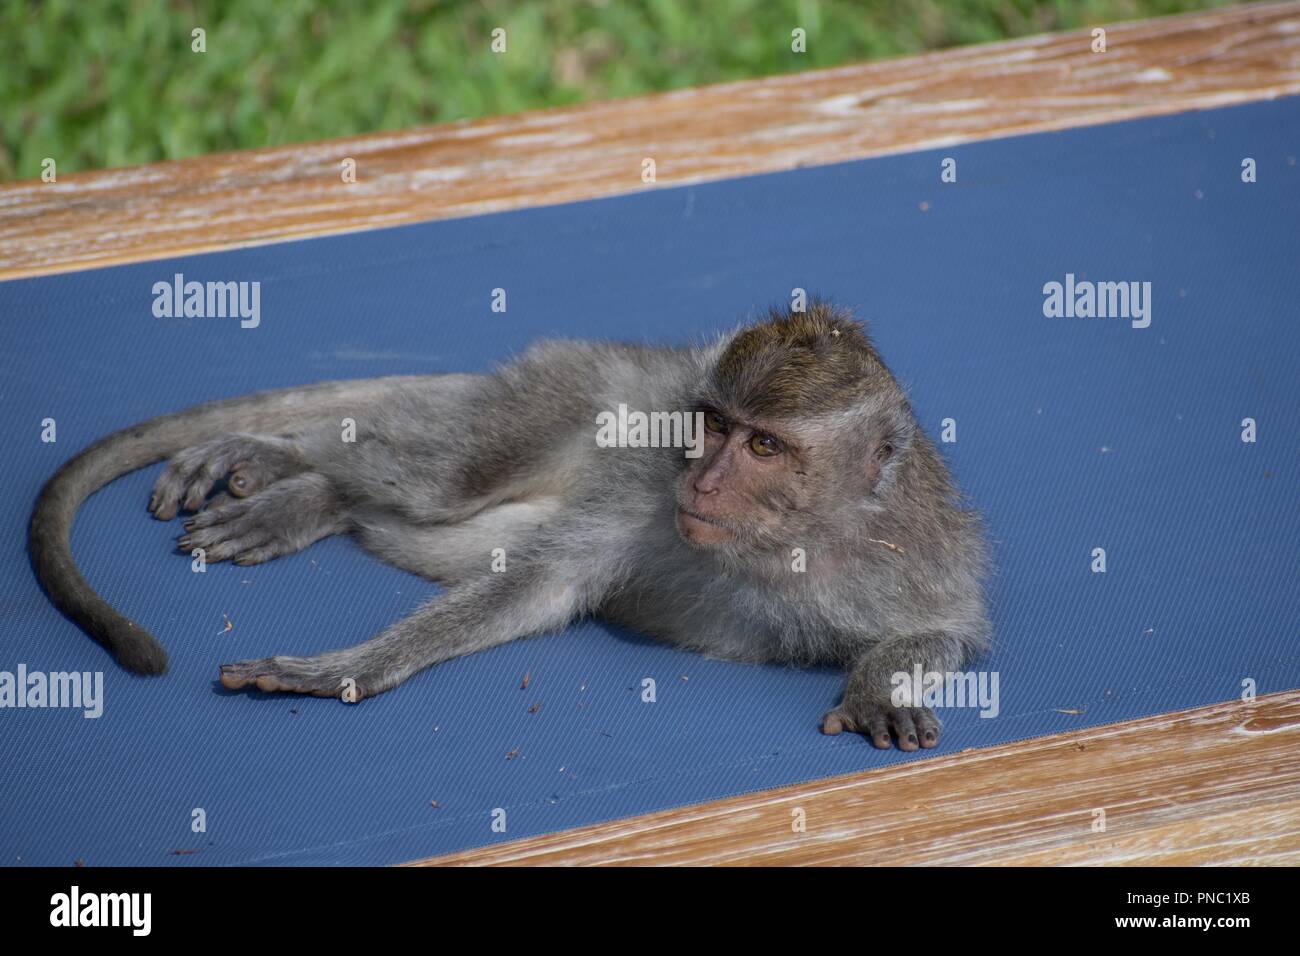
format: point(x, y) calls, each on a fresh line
point(445, 469)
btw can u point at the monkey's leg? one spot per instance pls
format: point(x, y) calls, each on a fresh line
point(867, 706)
point(286, 517)
point(476, 615)
point(248, 462)
point(453, 553)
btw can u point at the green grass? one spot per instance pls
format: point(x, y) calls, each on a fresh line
point(98, 83)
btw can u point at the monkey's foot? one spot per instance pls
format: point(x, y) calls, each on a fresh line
point(913, 726)
point(293, 675)
point(286, 518)
point(247, 462)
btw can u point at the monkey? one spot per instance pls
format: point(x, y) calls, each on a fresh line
point(809, 447)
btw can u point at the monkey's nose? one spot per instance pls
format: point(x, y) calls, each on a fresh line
point(706, 485)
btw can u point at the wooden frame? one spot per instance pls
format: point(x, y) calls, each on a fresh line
point(1218, 784)
point(228, 200)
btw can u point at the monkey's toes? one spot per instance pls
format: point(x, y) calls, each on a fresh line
point(166, 499)
point(222, 511)
point(230, 531)
point(250, 464)
point(219, 500)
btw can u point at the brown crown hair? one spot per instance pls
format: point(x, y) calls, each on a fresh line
point(799, 364)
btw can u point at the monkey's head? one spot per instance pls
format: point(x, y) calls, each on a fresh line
point(805, 433)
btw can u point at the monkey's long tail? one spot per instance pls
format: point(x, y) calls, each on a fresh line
point(48, 537)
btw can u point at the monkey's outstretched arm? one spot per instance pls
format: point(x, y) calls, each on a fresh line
point(140, 445)
point(474, 616)
point(868, 706)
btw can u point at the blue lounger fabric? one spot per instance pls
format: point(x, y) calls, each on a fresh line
point(1072, 434)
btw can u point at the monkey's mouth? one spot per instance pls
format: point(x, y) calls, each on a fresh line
point(699, 529)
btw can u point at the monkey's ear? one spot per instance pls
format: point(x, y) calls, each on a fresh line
point(888, 444)
point(894, 432)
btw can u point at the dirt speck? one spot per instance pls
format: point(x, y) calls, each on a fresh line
point(888, 544)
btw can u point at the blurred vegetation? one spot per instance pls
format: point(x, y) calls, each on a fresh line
point(96, 83)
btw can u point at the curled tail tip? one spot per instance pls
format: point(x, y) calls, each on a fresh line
point(148, 663)
point(136, 649)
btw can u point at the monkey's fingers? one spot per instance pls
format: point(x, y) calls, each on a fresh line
point(900, 719)
point(914, 727)
point(927, 726)
point(290, 675)
point(835, 722)
point(870, 722)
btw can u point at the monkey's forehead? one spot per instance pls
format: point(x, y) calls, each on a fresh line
point(791, 387)
point(869, 415)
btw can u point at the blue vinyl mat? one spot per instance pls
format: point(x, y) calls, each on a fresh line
point(1072, 434)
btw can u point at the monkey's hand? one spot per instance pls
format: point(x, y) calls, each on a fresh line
point(249, 463)
point(286, 517)
point(871, 707)
point(913, 726)
point(328, 675)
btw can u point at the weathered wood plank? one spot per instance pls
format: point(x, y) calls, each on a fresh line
point(1217, 784)
point(222, 201)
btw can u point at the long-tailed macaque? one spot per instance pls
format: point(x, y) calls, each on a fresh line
point(816, 524)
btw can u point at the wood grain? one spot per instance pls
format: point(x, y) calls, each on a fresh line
point(222, 201)
point(1217, 784)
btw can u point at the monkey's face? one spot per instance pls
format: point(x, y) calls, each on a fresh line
point(805, 432)
point(748, 487)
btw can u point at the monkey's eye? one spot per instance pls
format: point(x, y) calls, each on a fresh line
point(764, 446)
point(884, 451)
point(715, 423)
